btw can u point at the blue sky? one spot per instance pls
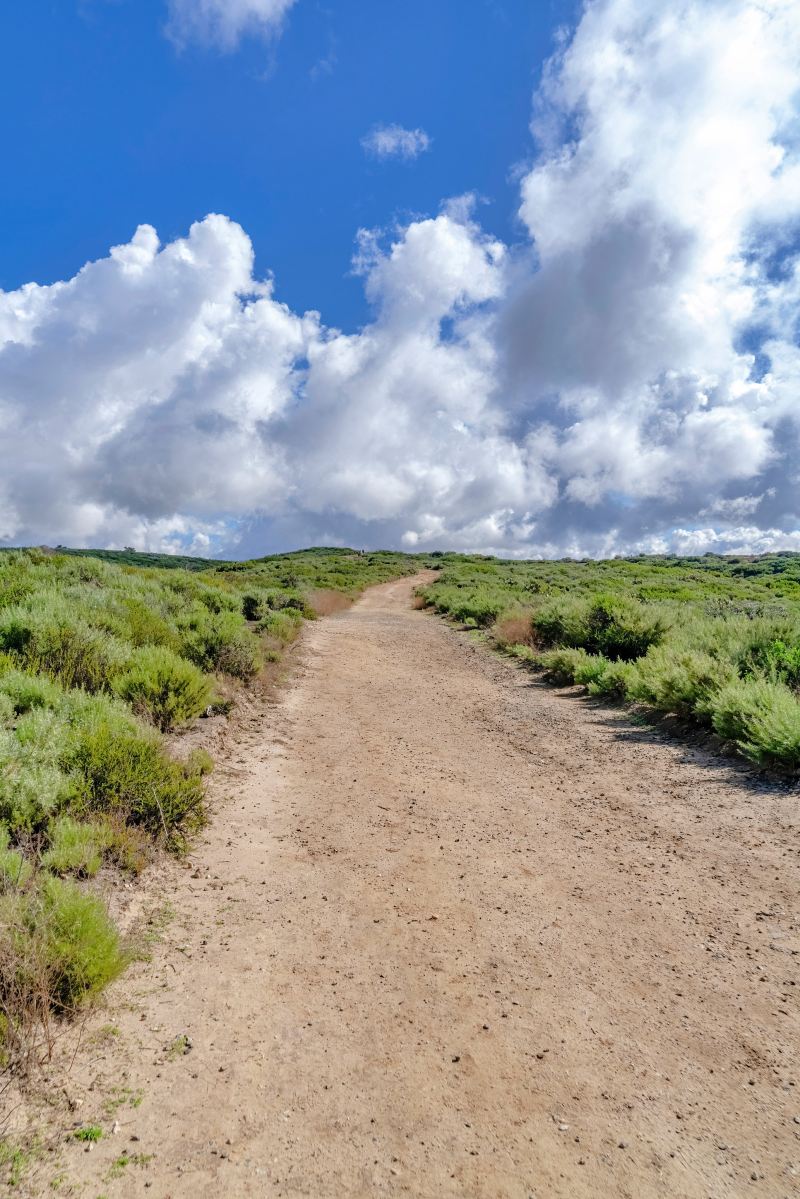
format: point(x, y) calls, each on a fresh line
point(121, 128)
point(552, 245)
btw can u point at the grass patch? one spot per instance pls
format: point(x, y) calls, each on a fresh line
point(89, 1133)
point(125, 1159)
point(13, 1162)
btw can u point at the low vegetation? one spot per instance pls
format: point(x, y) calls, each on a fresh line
point(101, 656)
point(715, 641)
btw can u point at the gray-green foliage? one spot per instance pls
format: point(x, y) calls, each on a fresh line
point(97, 660)
point(159, 684)
point(715, 641)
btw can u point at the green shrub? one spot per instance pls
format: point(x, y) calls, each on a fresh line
point(591, 669)
point(617, 681)
point(239, 657)
point(773, 733)
point(736, 704)
point(15, 870)
point(126, 773)
point(130, 847)
point(163, 687)
point(776, 658)
point(282, 625)
point(217, 600)
point(763, 718)
point(58, 948)
point(33, 785)
point(81, 946)
point(685, 682)
point(475, 608)
point(220, 641)
point(561, 665)
point(200, 762)
point(75, 847)
point(47, 635)
point(143, 624)
point(621, 629)
point(561, 622)
point(253, 605)
point(27, 691)
point(88, 1133)
point(525, 653)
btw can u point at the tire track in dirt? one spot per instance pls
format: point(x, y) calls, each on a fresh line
point(454, 933)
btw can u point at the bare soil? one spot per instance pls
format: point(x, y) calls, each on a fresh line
point(453, 933)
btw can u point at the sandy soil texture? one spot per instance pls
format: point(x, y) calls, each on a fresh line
point(453, 933)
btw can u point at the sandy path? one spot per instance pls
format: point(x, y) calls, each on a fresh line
point(458, 934)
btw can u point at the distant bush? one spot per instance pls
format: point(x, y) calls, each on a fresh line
point(163, 687)
point(253, 605)
point(622, 629)
point(477, 609)
point(281, 625)
point(219, 641)
point(617, 628)
point(561, 622)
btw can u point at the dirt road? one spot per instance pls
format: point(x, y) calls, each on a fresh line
point(457, 934)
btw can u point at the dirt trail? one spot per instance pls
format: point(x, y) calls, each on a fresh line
point(458, 934)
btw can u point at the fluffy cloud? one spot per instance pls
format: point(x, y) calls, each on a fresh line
point(224, 22)
point(623, 380)
point(669, 177)
point(393, 141)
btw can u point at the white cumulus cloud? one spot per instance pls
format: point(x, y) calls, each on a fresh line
point(393, 141)
point(625, 379)
point(224, 22)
